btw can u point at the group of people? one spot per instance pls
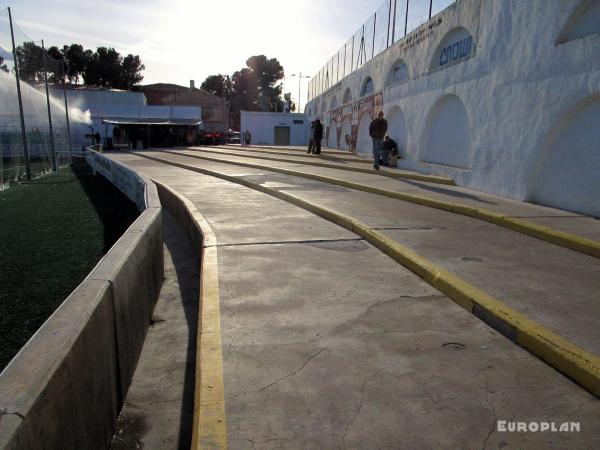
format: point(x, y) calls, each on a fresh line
point(316, 135)
point(384, 147)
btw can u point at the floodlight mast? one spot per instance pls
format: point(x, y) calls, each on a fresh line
point(23, 132)
point(300, 76)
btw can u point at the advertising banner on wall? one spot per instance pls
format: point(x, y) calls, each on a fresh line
point(125, 179)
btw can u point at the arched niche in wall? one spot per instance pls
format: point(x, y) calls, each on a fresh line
point(397, 128)
point(333, 104)
point(458, 45)
point(583, 22)
point(364, 144)
point(346, 134)
point(367, 87)
point(567, 172)
point(323, 107)
point(398, 73)
point(332, 137)
point(447, 139)
point(347, 96)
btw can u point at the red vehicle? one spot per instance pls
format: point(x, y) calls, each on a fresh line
point(211, 138)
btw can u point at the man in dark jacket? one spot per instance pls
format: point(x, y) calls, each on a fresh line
point(318, 137)
point(311, 137)
point(388, 149)
point(377, 131)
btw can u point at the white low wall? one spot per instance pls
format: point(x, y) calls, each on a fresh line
point(503, 97)
point(66, 386)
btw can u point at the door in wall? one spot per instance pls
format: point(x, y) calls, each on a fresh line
point(282, 135)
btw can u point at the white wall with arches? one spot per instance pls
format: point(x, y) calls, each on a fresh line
point(332, 135)
point(500, 96)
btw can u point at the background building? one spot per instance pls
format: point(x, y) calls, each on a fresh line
point(272, 128)
point(501, 96)
point(124, 119)
point(215, 110)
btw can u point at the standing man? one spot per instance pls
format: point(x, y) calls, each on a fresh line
point(318, 137)
point(311, 137)
point(377, 131)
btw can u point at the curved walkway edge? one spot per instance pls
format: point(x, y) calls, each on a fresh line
point(575, 362)
point(209, 427)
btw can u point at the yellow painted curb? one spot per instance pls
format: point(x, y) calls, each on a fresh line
point(303, 154)
point(299, 150)
point(561, 238)
point(402, 175)
point(209, 428)
point(577, 363)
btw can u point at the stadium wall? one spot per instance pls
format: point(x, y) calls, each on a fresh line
point(502, 96)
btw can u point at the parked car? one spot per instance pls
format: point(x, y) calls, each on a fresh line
point(232, 137)
point(211, 138)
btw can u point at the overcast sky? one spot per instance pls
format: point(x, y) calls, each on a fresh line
point(180, 40)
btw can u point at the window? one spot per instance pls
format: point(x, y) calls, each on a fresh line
point(368, 87)
point(347, 96)
point(207, 112)
point(398, 73)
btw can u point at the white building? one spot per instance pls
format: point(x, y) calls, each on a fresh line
point(502, 96)
point(272, 128)
point(139, 124)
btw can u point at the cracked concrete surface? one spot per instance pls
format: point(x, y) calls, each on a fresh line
point(329, 348)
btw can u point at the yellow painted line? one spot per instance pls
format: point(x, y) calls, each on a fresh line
point(561, 238)
point(383, 172)
point(575, 362)
point(209, 429)
point(302, 154)
point(291, 149)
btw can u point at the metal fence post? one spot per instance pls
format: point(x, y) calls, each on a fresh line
point(23, 132)
point(374, 31)
point(345, 56)
point(67, 114)
point(406, 19)
point(387, 39)
point(52, 147)
point(394, 25)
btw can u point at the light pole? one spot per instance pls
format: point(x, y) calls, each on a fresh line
point(284, 77)
point(299, 84)
point(300, 76)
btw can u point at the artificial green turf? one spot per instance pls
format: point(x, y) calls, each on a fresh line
point(53, 231)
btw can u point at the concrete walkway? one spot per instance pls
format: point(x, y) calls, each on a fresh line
point(555, 286)
point(328, 343)
point(159, 407)
point(563, 220)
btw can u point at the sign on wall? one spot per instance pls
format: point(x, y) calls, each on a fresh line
point(457, 46)
point(126, 180)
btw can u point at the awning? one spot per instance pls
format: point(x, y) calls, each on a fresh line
point(148, 121)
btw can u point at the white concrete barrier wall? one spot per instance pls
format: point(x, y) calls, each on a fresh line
point(66, 386)
point(504, 97)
